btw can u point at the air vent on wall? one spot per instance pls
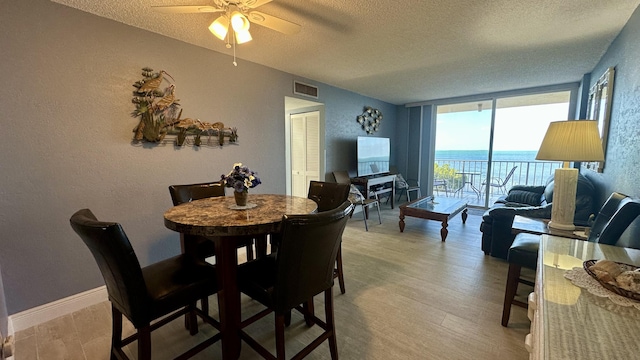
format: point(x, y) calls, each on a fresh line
point(305, 89)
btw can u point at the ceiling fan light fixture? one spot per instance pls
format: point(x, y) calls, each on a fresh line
point(243, 37)
point(220, 27)
point(239, 22)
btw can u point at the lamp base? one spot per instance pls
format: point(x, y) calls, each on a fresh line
point(563, 206)
point(560, 226)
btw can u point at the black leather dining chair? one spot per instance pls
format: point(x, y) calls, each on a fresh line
point(302, 268)
point(342, 177)
point(143, 295)
point(197, 244)
point(617, 213)
point(329, 196)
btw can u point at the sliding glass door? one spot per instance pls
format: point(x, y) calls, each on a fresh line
point(462, 147)
point(482, 148)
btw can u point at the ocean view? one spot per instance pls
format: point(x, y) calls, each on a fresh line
point(483, 155)
point(528, 170)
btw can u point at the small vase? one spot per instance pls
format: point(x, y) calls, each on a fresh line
point(241, 198)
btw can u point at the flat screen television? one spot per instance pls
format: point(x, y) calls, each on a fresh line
point(373, 155)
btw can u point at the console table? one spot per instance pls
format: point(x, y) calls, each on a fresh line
point(568, 322)
point(374, 181)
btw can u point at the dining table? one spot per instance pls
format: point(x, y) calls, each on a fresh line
point(225, 223)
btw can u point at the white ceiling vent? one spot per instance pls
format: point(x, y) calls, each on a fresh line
point(305, 89)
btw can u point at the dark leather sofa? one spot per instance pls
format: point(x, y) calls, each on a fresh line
point(534, 202)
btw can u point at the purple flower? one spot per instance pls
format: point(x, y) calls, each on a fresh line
point(241, 178)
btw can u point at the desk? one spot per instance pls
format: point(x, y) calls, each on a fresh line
point(467, 178)
point(568, 322)
point(212, 218)
point(369, 182)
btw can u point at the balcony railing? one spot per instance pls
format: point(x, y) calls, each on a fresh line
point(465, 178)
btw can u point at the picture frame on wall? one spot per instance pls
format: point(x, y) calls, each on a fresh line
point(599, 109)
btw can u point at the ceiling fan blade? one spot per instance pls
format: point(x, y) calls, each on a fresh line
point(186, 9)
point(274, 23)
point(255, 3)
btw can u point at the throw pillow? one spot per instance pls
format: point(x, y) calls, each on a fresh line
point(524, 197)
point(355, 196)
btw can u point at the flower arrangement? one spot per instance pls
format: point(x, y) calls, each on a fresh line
point(241, 178)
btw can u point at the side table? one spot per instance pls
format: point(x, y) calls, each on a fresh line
point(522, 224)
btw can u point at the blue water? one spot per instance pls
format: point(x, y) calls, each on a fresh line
point(515, 156)
point(528, 171)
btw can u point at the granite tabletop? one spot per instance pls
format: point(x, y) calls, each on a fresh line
point(219, 216)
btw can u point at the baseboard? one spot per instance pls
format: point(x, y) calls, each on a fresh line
point(43, 313)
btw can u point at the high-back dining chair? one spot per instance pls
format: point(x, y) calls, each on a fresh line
point(329, 196)
point(197, 244)
point(170, 286)
point(617, 213)
point(342, 177)
point(302, 267)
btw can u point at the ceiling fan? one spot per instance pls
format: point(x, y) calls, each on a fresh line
point(237, 15)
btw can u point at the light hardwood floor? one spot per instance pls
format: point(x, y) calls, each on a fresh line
point(409, 296)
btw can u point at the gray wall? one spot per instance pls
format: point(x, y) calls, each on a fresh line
point(342, 129)
point(622, 168)
point(66, 101)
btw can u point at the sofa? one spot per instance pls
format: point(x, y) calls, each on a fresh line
point(533, 202)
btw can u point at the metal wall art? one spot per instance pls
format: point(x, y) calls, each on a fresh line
point(160, 112)
point(370, 119)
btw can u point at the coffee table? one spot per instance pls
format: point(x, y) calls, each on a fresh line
point(440, 209)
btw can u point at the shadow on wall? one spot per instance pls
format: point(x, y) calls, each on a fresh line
point(4, 317)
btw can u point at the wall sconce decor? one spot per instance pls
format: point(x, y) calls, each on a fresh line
point(157, 110)
point(370, 119)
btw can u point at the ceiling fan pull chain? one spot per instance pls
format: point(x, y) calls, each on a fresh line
point(234, 51)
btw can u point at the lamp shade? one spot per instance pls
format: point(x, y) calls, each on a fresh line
point(243, 36)
point(239, 22)
point(574, 140)
point(220, 27)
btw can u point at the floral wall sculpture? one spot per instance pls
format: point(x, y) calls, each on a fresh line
point(160, 113)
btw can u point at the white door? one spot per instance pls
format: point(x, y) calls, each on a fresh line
point(305, 151)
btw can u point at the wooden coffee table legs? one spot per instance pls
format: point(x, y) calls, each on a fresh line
point(445, 223)
point(444, 218)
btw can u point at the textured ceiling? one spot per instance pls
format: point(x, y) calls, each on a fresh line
point(404, 51)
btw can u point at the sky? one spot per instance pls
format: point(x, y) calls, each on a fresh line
point(516, 129)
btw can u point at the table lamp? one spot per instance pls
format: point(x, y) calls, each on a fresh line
point(567, 141)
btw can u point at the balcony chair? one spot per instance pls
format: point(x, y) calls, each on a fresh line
point(299, 271)
point(329, 196)
point(171, 286)
point(497, 182)
point(617, 213)
point(342, 177)
point(440, 183)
